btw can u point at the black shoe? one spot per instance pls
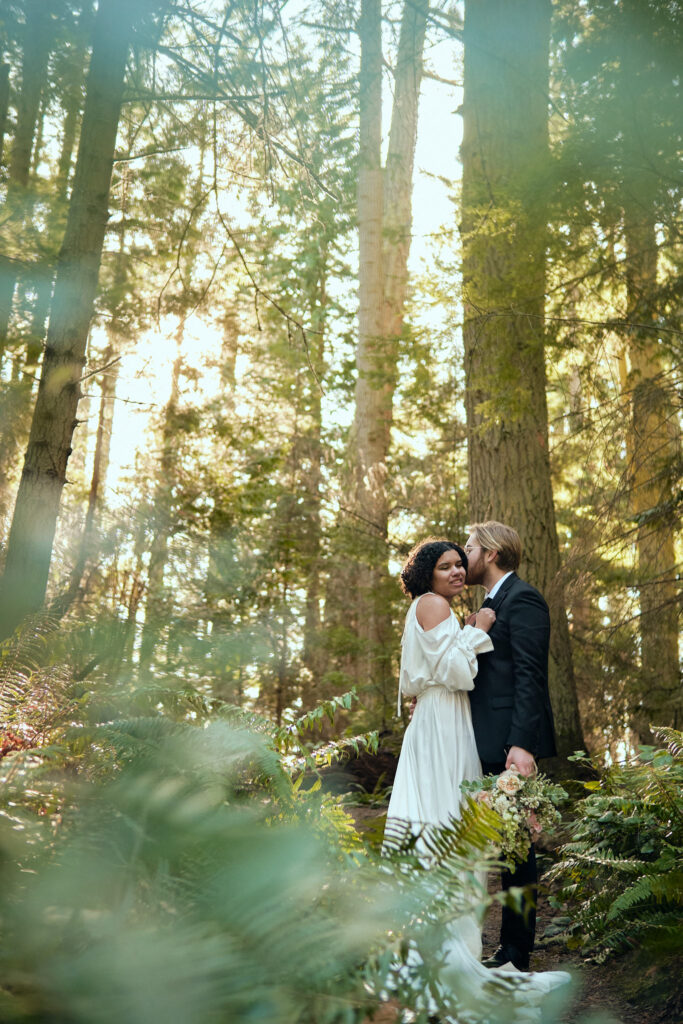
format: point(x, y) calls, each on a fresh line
point(507, 955)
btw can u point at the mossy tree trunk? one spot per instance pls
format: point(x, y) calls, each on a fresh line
point(22, 589)
point(385, 220)
point(505, 177)
point(4, 105)
point(162, 515)
point(42, 276)
point(19, 203)
point(653, 450)
point(311, 457)
point(652, 441)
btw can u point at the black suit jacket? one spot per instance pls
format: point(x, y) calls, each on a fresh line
point(510, 701)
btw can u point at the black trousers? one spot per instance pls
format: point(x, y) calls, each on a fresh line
point(518, 930)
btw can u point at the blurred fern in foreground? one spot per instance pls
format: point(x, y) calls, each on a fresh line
point(171, 859)
point(176, 892)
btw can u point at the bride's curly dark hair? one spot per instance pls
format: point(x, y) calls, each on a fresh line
point(416, 574)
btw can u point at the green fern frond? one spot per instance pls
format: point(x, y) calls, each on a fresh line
point(22, 655)
point(636, 893)
point(673, 739)
point(629, 836)
point(294, 741)
point(607, 859)
point(660, 888)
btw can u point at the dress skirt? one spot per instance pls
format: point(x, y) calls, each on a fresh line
point(438, 753)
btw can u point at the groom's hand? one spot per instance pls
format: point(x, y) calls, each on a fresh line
point(522, 760)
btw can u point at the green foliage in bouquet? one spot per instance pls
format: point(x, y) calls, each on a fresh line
point(525, 808)
point(623, 868)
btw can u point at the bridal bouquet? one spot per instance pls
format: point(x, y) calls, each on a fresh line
point(526, 806)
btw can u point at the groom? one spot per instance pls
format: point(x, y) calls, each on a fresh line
point(511, 713)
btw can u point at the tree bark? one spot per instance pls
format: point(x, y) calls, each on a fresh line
point(370, 426)
point(87, 546)
point(33, 526)
point(652, 444)
point(4, 105)
point(505, 165)
point(16, 419)
point(385, 220)
point(652, 450)
point(43, 275)
point(19, 203)
point(156, 608)
point(311, 455)
point(398, 176)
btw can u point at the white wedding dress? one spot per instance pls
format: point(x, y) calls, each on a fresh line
point(439, 666)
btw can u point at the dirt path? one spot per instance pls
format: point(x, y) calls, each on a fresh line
point(598, 992)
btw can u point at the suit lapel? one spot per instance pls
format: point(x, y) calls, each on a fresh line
point(502, 593)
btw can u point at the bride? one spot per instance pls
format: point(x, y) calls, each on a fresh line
point(438, 668)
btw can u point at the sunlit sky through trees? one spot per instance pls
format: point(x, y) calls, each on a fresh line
point(146, 366)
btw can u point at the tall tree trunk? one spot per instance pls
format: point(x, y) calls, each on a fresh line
point(43, 277)
point(86, 548)
point(222, 527)
point(505, 163)
point(37, 40)
point(39, 140)
point(229, 353)
point(398, 177)
point(370, 426)
point(281, 650)
point(385, 220)
point(312, 455)
point(653, 445)
point(110, 361)
point(16, 419)
point(22, 589)
point(156, 609)
point(4, 105)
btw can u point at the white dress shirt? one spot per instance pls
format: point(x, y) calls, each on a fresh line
point(496, 586)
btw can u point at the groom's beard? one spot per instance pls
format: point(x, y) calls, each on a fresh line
point(475, 572)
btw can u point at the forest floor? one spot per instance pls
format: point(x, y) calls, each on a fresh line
point(601, 995)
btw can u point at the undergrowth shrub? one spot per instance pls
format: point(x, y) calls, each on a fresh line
point(622, 871)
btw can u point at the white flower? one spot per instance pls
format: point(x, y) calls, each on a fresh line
point(500, 804)
point(509, 782)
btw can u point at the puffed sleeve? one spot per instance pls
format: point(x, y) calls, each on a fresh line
point(445, 655)
point(476, 641)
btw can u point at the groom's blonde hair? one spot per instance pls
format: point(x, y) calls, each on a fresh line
point(494, 536)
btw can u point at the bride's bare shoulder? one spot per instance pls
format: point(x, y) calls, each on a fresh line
point(431, 610)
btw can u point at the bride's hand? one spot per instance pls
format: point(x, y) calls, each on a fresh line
point(485, 618)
